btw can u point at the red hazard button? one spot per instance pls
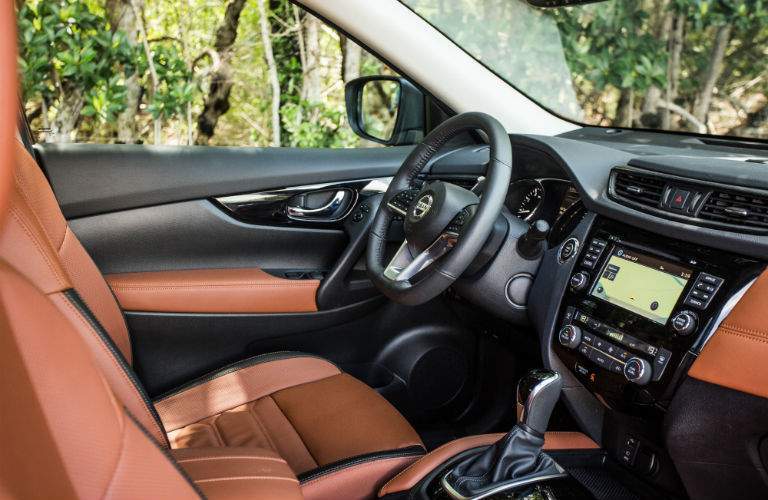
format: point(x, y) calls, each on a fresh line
point(679, 199)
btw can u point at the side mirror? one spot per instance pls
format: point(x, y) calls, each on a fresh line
point(385, 109)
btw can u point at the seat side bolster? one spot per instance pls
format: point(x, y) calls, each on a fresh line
point(229, 388)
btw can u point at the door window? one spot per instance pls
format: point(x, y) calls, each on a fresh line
point(181, 72)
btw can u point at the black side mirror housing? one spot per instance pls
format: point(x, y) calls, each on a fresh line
point(385, 109)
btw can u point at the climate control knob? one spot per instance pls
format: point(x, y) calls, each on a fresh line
point(579, 281)
point(570, 336)
point(684, 323)
point(637, 371)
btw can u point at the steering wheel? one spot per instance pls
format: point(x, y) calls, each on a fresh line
point(445, 225)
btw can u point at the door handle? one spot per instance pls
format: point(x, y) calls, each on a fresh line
point(336, 209)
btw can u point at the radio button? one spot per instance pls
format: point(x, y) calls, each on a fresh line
point(579, 281)
point(585, 350)
point(684, 323)
point(700, 295)
point(694, 302)
point(710, 279)
point(705, 287)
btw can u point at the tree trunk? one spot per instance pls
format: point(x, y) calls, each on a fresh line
point(272, 70)
point(712, 73)
point(217, 101)
point(311, 89)
point(67, 116)
point(677, 31)
point(351, 58)
point(624, 110)
point(121, 17)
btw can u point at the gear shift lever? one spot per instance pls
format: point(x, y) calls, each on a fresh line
point(516, 459)
point(537, 394)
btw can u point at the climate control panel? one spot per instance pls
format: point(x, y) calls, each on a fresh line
point(611, 349)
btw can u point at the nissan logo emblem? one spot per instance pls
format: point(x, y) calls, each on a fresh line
point(422, 206)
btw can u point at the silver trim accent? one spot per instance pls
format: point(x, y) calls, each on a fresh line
point(404, 266)
point(724, 312)
point(575, 250)
point(502, 487)
point(374, 185)
point(327, 211)
point(423, 206)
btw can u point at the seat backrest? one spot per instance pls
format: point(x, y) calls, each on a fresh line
point(63, 432)
point(37, 242)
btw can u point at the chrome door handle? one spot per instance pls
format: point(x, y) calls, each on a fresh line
point(332, 211)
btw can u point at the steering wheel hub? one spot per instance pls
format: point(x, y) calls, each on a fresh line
point(434, 209)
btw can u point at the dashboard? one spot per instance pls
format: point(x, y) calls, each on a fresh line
point(653, 240)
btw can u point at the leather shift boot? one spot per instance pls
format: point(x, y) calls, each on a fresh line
point(515, 457)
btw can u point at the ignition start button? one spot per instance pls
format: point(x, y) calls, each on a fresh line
point(568, 250)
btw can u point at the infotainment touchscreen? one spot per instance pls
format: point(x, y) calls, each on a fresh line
point(642, 284)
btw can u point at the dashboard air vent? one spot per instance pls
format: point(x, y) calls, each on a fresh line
point(640, 188)
point(736, 208)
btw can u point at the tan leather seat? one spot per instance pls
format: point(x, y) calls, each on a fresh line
point(341, 438)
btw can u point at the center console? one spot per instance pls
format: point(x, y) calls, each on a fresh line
point(637, 310)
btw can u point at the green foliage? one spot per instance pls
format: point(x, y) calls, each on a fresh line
point(65, 47)
point(175, 88)
point(316, 126)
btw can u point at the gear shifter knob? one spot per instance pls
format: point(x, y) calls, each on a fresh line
point(537, 393)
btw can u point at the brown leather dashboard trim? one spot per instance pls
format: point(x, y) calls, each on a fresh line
point(245, 290)
point(737, 354)
point(409, 477)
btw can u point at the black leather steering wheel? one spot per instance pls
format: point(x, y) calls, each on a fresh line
point(445, 225)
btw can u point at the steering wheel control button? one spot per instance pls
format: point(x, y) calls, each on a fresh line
point(568, 250)
point(570, 336)
point(637, 371)
point(684, 323)
point(579, 281)
point(402, 201)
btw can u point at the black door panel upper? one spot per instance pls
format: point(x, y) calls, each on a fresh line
point(199, 235)
point(93, 179)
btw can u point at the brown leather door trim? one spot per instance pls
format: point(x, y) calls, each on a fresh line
point(737, 354)
point(245, 290)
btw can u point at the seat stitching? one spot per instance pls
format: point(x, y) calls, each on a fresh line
point(23, 192)
point(231, 457)
point(414, 464)
point(358, 466)
point(246, 478)
point(173, 286)
point(758, 333)
point(114, 361)
point(746, 336)
point(35, 240)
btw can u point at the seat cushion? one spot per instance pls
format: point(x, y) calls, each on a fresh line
point(239, 473)
point(331, 429)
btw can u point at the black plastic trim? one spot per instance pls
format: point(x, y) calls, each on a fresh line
point(239, 365)
point(77, 301)
point(411, 451)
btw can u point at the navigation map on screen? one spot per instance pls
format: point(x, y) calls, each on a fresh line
point(642, 284)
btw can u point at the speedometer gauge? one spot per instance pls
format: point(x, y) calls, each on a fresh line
point(525, 197)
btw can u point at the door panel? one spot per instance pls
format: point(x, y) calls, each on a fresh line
point(174, 215)
point(198, 235)
point(91, 179)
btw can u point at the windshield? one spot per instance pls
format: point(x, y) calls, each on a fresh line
point(683, 65)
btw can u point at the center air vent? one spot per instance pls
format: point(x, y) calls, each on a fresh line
point(732, 207)
point(692, 201)
point(640, 188)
